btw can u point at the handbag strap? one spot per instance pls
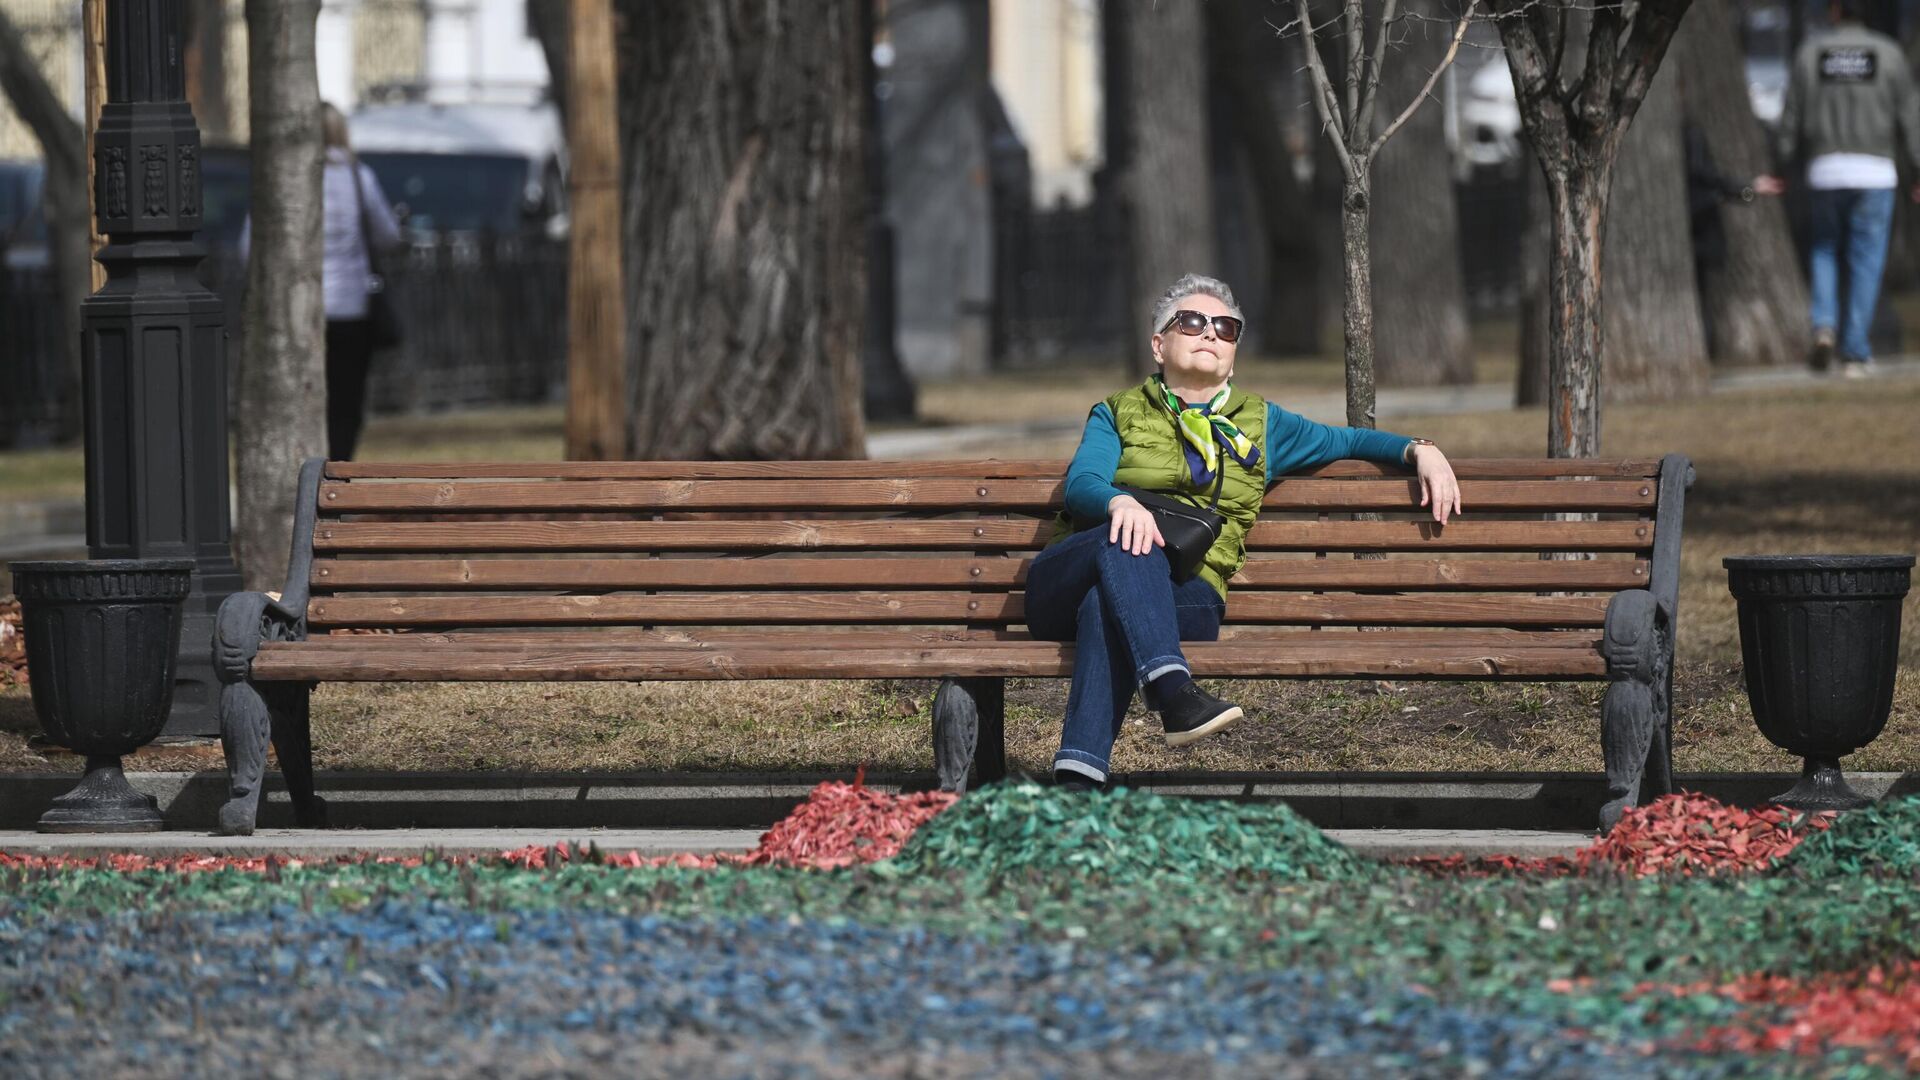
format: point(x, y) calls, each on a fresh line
point(360, 208)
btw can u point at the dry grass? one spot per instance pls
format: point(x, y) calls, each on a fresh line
point(1823, 469)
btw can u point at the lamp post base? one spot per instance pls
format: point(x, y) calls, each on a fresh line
point(103, 802)
point(1822, 787)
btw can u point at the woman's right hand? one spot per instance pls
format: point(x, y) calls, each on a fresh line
point(1132, 526)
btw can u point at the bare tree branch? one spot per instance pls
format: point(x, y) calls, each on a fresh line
point(1325, 101)
point(1521, 31)
point(1370, 84)
point(1426, 91)
point(1654, 25)
point(1593, 103)
point(1356, 31)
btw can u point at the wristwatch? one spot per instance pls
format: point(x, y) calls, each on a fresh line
point(1406, 456)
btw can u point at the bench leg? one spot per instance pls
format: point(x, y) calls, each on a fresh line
point(969, 732)
point(244, 729)
point(288, 704)
point(1635, 737)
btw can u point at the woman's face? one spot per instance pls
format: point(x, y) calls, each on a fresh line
point(1201, 360)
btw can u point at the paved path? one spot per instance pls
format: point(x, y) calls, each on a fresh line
point(329, 843)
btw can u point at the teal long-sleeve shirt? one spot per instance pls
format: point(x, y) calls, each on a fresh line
point(1293, 443)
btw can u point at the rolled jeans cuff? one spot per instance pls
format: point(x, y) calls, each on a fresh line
point(1079, 761)
point(1160, 665)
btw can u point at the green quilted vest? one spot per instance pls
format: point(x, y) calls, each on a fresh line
point(1151, 458)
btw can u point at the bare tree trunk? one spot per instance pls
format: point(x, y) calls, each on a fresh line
point(745, 227)
point(1356, 320)
point(1248, 58)
point(1756, 300)
point(1576, 333)
point(69, 248)
point(1420, 316)
point(1575, 126)
point(281, 419)
point(1169, 190)
point(1655, 345)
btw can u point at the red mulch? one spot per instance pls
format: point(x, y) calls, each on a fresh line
point(13, 645)
point(1877, 1011)
point(838, 825)
point(1684, 834)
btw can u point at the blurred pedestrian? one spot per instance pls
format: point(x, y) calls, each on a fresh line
point(358, 226)
point(1850, 110)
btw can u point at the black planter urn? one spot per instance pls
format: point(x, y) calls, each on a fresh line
point(1820, 640)
point(102, 636)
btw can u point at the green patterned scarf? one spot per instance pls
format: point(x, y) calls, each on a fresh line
point(1205, 430)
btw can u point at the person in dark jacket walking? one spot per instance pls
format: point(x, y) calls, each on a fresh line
point(1850, 110)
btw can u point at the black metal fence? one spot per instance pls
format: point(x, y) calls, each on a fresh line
point(485, 324)
point(38, 396)
point(484, 321)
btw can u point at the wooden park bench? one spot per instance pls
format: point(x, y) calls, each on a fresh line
point(898, 570)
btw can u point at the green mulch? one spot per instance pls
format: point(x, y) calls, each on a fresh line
point(1128, 837)
point(1261, 890)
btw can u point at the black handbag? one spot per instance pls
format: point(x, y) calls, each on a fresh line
point(383, 319)
point(1190, 530)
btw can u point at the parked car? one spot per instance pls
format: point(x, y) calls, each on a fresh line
point(496, 169)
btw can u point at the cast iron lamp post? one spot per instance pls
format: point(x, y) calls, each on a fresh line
point(154, 345)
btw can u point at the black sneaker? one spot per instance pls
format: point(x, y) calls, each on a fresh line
point(1193, 714)
point(1822, 357)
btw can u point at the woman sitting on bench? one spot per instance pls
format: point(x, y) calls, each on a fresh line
point(1109, 581)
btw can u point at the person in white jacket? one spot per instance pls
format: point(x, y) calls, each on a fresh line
point(355, 215)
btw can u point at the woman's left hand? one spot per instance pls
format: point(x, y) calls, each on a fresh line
point(1439, 488)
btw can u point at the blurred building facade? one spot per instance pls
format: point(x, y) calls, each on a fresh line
point(450, 52)
point(1046, 69)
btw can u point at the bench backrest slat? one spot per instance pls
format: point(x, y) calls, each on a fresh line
point(965, 534)
point(936, 494)
point(992, 572)
point(1464, 468)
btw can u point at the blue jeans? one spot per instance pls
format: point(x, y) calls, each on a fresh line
point(1126, 619)
point(1858, 221)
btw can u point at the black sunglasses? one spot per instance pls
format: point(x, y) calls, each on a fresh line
point(1193, 324)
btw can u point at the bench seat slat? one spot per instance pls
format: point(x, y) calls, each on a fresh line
point(394, 660)
point(941, 494)
point(963, 534)
point(1266, 636)
point(924, 607)
point(1562, 575)
point(1464, 468)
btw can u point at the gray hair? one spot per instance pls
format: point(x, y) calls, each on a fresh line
point(1192, 285)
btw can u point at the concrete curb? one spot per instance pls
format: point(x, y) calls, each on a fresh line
point(310, 844)
point(552, 801)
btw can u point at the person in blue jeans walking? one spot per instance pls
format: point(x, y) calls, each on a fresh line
point(1850, 110)
point(1105, 583)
